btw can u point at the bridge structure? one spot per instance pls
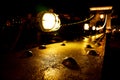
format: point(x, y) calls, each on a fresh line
point(102, 17)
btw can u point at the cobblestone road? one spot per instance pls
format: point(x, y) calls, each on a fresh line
point(46, 64)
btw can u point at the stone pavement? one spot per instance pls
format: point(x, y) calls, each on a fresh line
point(46, 64)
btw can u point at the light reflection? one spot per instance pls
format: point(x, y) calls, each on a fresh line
point(93, 38)
point(49, 21)
point(51, 74)
point(86, 39)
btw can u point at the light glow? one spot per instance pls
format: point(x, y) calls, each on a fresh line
point(51, 74)
point(101, 8)
point(86, 26)
point(99, 28)
point(50, 22)
point(93, 28)
point(101, 16)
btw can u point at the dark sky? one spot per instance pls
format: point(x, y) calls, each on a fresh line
point(68, 6)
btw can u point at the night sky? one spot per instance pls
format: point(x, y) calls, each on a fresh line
point(77, 7)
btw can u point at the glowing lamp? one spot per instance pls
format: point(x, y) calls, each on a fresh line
point(86, 26)
point(101, 16)
point(93, 28)
point(49, 22)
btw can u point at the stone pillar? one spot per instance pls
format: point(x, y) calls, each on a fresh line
point(108, 23)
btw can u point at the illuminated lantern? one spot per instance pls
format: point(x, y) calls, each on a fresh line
point(49, 21)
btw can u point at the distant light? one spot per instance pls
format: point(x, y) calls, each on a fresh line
point(101, 16)
point(101, 8)
point(86, 26)
point(118, 29)
point(97, 28)
point(113, 30)
point(93, 28)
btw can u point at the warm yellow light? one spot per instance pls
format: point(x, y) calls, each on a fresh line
point(51, 74)
point(93, 28)
point(101, 8)
point(86, 26)
point(118, 29)
point(48, 21)
point(101, 16)
point(101, 27)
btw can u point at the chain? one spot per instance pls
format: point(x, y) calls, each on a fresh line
point(78, 21)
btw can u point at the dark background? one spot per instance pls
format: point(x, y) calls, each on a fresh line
point(78, 7)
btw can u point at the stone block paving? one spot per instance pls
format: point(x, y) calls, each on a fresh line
point(46, 63)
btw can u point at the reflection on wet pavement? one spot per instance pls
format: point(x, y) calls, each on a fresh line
point(46, 64)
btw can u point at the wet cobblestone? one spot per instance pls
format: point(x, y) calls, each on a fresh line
point(46, 64)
